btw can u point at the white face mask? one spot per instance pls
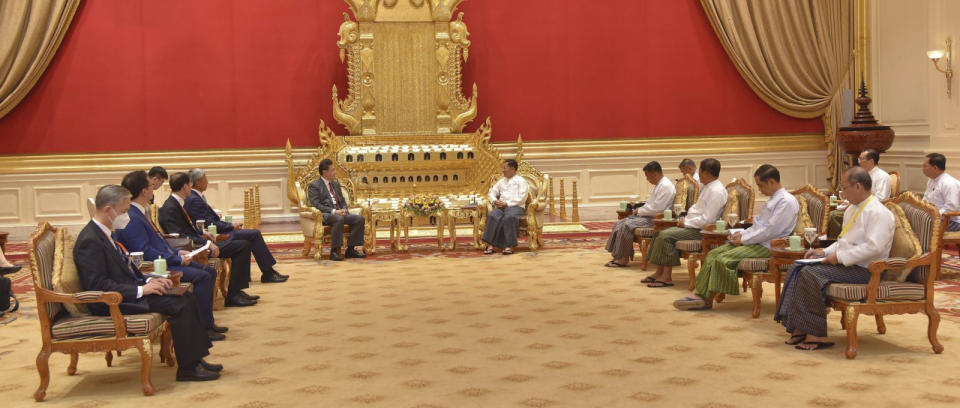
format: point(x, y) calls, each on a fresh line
point(121, 221)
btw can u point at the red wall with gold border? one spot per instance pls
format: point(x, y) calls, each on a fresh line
point(183, 74)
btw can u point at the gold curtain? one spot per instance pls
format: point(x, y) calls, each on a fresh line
point(795, 54)
point(30, 34)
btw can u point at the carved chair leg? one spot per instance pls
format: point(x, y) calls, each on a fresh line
point(692, 261)
point(307, 246)
point(109, 358)
point(881, 327)
point(934, 322)
point(146, 363)
point(756, 287)
point(43, 368)
point(852, 315)
point(719, 297)
point(72, 368)
point(645, 252)
point(843, 319)
point(166, 347)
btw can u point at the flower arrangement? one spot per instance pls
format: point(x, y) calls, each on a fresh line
point(423, 205)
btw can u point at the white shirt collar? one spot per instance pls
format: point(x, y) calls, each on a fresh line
point(104, 229)
point(196, 191)
point(139, 207)
point(178, 198)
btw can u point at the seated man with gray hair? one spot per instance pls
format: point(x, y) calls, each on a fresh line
point(867, 235)
point(198, 209)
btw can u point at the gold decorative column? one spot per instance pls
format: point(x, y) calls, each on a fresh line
point(576, 206)
point(552, 210)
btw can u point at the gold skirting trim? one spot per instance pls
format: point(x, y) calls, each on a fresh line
point(533, 150)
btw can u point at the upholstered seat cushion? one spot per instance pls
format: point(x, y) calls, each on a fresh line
point(758, 265)
point(643, 232)
point(886, 291)
point(87, 326)
point(689, 245)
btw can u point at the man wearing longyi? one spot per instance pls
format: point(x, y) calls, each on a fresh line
point(867, 235)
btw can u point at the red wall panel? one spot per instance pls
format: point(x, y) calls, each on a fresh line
point(176, 74)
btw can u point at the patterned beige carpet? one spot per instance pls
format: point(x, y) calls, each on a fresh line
point(551, 329)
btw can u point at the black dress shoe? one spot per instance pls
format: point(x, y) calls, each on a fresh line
point(9, 269)
point(335, 256)
point(210, 366)
point(214, 336)
point(219, 329)
point(352, 253)
point(248, 296)
point(197, 373)
point(273, 278)
point(238, 300)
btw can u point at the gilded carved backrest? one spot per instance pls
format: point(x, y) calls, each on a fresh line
point(803, 216)
point(687, 192)
point(817, 206)
point(745, 198)
point(404, 60)
point(894, 183)
point(733, 203)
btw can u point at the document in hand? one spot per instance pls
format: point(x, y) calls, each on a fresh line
point(201, 249)
point(810, 261)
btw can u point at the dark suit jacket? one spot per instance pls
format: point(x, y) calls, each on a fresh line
point(102, 267)
point(140, 236)
point(320, 197)
point(198, 209)
point(174, 221)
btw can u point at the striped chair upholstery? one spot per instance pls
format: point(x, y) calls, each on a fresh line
point(816, 208)
point(643, 232)
point(922, 225)
point(43, 272)
point(886, 291)
point(745, 199)
point(689, 245)
point(758, 265)
point(102, 326)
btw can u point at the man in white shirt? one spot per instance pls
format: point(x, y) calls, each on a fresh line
point(707, 210)
point(620, 243)
point(509, 198)
point(688, 166)
point(867, 236)
point(943, 191)
point(882, 187)
point(719, 271)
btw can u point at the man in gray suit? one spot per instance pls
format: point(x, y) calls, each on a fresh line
point(325, 196)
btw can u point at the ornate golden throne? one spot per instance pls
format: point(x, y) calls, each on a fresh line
point(405, 113)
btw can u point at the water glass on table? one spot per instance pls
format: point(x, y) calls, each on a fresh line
point(810, 235)
point(732, 220)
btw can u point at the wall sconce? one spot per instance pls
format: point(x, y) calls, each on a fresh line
point(937, 55)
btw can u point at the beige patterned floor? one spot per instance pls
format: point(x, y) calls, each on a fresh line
point(552, 329)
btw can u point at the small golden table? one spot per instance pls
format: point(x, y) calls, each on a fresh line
point(450, 216)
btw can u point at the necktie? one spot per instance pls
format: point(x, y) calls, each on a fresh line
point(123, 253)
point(336, 202)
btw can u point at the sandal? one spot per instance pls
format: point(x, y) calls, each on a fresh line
point(488, 251)
point(659, 284)
point(507, 251)
point(817, 345)
point(690, 303)
point(796, 339)
point(648, 279)
point(612, 264)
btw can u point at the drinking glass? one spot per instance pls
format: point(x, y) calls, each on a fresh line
point(810, 235)
point(136, 258)
point(677, 209)
point(732, 219)
point(201, 225)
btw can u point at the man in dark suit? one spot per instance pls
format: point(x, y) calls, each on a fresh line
point(103, 266)
point(174, 219)
point(198, 209)
point(325, 195)
point(141, 235)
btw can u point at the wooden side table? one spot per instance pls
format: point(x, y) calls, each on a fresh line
point(623, 214)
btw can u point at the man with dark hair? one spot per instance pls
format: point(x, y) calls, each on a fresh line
point(175, 220)
point(198, 209)
point(142, 235)
point(326, 195)
point(707, 210)
point(620, 243)
point(867, 235)
point(688, 166)
point(719, 271)
point(881, 188)
point(157, 176)
point(509, 199)
point(943, 191)
point(102, 265)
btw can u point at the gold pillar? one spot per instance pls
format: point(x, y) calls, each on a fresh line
point(552, 210)
point(563, 201)
point(576, 207)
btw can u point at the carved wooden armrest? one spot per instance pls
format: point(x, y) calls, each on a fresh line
point(780, 242)
point(223, 237)
point(112, 299)
point(877, 268)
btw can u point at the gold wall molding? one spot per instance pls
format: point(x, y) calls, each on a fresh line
point(533, 150)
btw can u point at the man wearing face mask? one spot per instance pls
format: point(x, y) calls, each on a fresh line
point(141, 235)
point(103, 266)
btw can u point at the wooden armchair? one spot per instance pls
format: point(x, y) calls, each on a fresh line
point(688, 190)
point(950, 237)
point(894, 183)
point(740, 201)
point(814, 213)
point(885, 293)
point(67, 327)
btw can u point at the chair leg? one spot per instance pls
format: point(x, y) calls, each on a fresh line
point(843, 319)
point(881, 327)
point(72, 368)
point(852, 315)
point(166, 347)
point(692, 261)
point(645, 252)
point(307, 246)
point(934, 322)
point(756, 288)
point(146, 363)
point(43, 368)
point(109, 358)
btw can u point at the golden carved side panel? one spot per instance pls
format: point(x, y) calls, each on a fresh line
point(405, 83)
